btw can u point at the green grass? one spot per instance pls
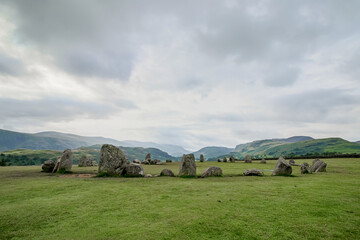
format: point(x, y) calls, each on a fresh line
point(37, 205)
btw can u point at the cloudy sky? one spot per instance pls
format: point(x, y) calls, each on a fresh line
point(193, 73)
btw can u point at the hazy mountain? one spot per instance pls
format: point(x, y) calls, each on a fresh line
point(59, 141)
point(276, 147)
point(210, 152)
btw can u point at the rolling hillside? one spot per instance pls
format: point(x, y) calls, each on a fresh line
point(10, 140)
point(276, 148)
point(23, 157)
point(210, 152)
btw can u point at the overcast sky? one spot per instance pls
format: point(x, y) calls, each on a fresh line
point(193, 73)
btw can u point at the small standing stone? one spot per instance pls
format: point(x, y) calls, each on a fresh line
point(201, 158)
point(48, 166)
point(318, 166)
point(305, 168)
point(224, 159)
point(167, 172)
point(248, 159)
point(253, 172)
point(282, 167)
point(133, 170)
point(232, 159)
point(263, 161)
point(212, 172)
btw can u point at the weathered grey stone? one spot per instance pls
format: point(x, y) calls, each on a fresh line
point(212, 172)
point(167, 172)
point(263, 161)
point(201, 158)
point(318, 166)
point(187, 165)
point(292, 162)
point(305, 168)
point(168, 160)
point(282, 167)
point(48, 166)
point(94, 163)
point(85, 161)
point(133, 170)
point(232, 159)
point(148, 157)
point(315, 160)
point(66, 161)
point(219, 160)
point(137, 161)
point(224, 159)
point(248, 159)
point(253, 172)
point(148, 175)
point(112, 160)
point(56, 165)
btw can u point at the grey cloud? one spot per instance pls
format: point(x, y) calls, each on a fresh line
point(53, 109)
point(10, 66)
point(316, 105)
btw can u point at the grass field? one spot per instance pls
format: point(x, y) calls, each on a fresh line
point(37, 205)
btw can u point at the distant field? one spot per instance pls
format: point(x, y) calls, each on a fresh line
point(37, 205)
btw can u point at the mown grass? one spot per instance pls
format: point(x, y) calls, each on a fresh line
point(37, 205)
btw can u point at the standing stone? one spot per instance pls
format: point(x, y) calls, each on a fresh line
point(133, 170)
point(137, 161)
point(66, 161)
point(282, 167)
point(253, 172)
point(305, 168)
point(48, 166)
point(224, 159)
point(219, 160)
point(94, 163)
point(201, 158)
point(315, 160)
point(212, 172)
point(263, 161)
point(168, 161)
point(167, 172)
point(232, 159)
point(112, 160)
point(318, 166)
point(85, 161)
point(187, 165)
point(248, 159)
point(56, 165)
point(292, 162)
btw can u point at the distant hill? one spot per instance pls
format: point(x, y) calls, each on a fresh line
point(210, 152)
point(10, 140)
point(276, 147)
point(23, 157)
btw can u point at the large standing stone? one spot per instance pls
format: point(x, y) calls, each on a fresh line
point(282, 167)
point(112, 160)
point(305, 168)
point(201, 158)
point(85, 161)
point(248, 159)
point(167, 172)
point(224, 159)
point(133, 170)
point(318, 166)
point(263, 161)
point(66, 161)
point(187, 165)
point(253, 172)
point(48, 166)
point(232, 159)
point(212, 172)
